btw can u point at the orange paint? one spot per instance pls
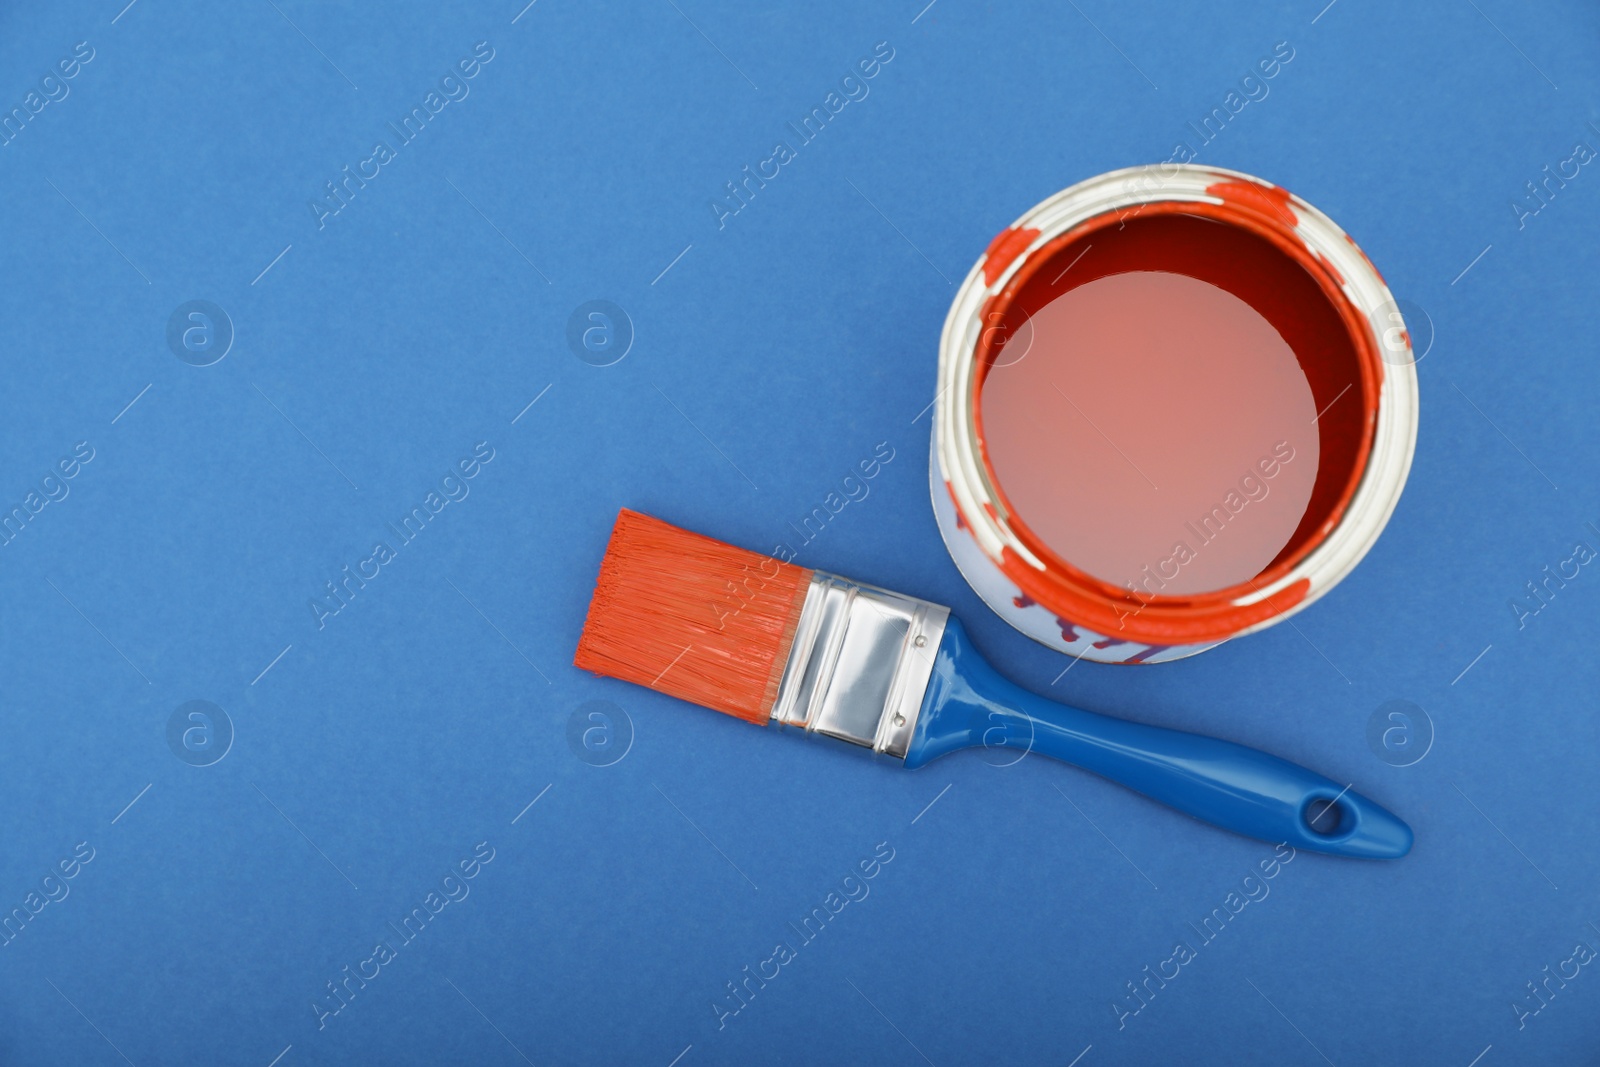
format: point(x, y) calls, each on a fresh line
point(1157, 434)
point(692, 617)
point(1271, 200)
point(1006, 247)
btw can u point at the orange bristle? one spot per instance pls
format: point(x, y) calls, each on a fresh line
point(692, 617)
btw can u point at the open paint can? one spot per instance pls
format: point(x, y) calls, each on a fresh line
point(1176, 404)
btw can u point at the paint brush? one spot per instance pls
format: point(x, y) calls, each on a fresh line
point(775, 643)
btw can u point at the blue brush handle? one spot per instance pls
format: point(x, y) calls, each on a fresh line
point(1225, 784)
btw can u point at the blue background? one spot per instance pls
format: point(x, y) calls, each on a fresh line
point(772, 357)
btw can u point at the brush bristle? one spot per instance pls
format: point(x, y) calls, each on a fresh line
point(692, 617)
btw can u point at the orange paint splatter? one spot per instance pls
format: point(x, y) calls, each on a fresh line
point(1006, 247)
point(1271, 200)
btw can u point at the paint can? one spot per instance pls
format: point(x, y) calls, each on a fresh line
point(1325, 299)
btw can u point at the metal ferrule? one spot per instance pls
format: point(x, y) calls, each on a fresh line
point(860, 664)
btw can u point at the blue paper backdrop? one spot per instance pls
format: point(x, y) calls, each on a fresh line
point(378, 340)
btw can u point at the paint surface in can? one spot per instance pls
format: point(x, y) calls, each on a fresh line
point(1152, 428)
